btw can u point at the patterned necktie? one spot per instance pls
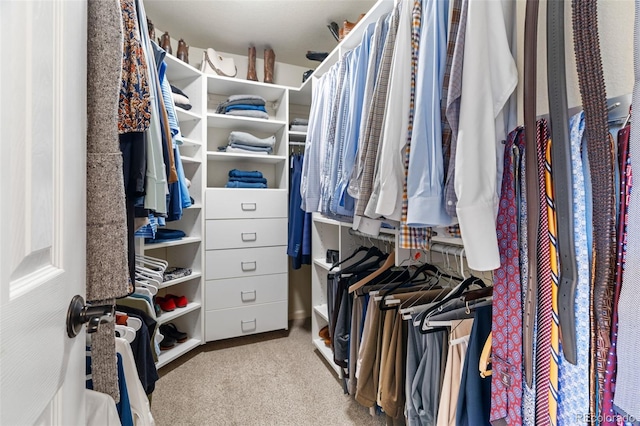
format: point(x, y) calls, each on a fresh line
point(573, 383)
point(553, 260)
point(543, 332)
point(609, 416)
point(506, 330)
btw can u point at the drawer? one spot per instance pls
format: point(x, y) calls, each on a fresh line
point(245, 262)
point(224, 203)
point(227, 323)
point(246, 291)
point(240, 233)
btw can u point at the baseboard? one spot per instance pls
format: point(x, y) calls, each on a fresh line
point(299, 314)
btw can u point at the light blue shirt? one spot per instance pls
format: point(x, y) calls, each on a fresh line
point(426, 170)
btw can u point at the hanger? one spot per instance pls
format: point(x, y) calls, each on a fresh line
point(388, 263)
point(455, 293)
point(372, 253)
point(127, 333)
point(425, 267)
point(358, 250)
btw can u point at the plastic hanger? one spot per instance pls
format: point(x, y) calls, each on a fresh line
point(126, 333)
point(388, 263)
point(354, 254)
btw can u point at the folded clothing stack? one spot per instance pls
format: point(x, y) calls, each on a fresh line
point(299, 125)
point(246, 179)
point(246, 143)
point(165, 234)
point(180, 98)
point(244, 105)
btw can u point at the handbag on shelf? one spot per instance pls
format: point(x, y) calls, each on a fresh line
point(212, 63)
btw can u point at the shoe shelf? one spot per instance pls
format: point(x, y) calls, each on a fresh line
point(177, 351)
point(323, 311)
point(166, 317)
point(193, 276)
point(327, 354)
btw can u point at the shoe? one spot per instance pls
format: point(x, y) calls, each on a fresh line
point(172, 331)
point(316, 56)
point(183, 51)
point(166, 304)
point(251, 69)
point(335, 30)
point(324, 335)
point(269, 64)
point(179, 301)
point(165, 42)
point(167, 343)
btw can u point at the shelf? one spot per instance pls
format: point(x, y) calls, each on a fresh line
point(190, 160)
point(255, 158)
point(302, 95)
point(184, 115)
point(323, 311)
point(185, 240)
point(166, 317)
point(180, 349)
point(324, 265)
point(452, 241)
point(190, 142)
point(234, 122)
point(233, 86)
point(327, 354)
point(178, 70)
point(180, 280)
point(195, 206)
point(297, 136)
point(321, 219)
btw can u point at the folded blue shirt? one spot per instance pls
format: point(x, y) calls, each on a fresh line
point(245, 107)
point(252, 147)
point(245, 173)
point(245, 185)
point(247, 179)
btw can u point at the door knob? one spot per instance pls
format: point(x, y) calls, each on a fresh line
point(93, 315)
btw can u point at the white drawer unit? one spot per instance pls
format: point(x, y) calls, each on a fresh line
point(241, 233)
point(245, 262)
point(224, 203)
point(226, 323)
point(246, 291)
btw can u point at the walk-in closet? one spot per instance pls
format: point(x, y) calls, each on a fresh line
point(319, 212)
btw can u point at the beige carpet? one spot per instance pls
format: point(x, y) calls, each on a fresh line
point(274, 378)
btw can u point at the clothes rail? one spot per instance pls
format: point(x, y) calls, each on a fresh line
point(380, 237)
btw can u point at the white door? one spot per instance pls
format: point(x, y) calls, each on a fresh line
point(42, 209)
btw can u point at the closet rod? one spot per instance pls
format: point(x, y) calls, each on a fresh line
point(296, 143)
point(447, 249)
point(380, 237)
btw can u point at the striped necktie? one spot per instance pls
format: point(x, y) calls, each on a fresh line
point(506, 330)
point(553, 256)
point(543, 332)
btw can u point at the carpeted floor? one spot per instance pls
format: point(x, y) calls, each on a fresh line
point(274, 378)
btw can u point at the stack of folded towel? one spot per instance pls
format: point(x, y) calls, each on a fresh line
point(246, 143)
point(180, 98)
point(244, 105)
point(246, 179)
point(299, 125)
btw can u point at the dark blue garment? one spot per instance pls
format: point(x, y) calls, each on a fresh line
point(299, 221)
point(247, 179)
point(246, 107)
point(163, 234)
point(245, 173)
point(245, 185)
point(124, 406)
point(474, 399)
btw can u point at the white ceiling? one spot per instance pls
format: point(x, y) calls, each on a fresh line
point(290, 28)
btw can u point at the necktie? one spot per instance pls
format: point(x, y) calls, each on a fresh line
point(573, 386)
point(628, 378)
point(543, 332)
point(594, 101)
point(506, 382)
point(411, 237)
point(553, 260)
point(625, 191)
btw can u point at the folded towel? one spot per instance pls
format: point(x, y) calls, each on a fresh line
point(223, 106)
point(249, 139)
point(245, 173)
point(299, 128)
point(180, 99)
point(300, 121)
point(233, 98)
point(248, 179)
point(244, 151)
point(249, 113)
point(252, 148)
point(245, 185)
point(245, 107)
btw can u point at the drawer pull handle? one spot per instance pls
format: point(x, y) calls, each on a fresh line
point(249, 236)
point(249, 266)
point(243, 324)
point(248, 207)
point(248, 299)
